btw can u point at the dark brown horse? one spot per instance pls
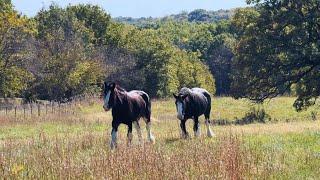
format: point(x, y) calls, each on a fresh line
point(190, 104)
point(127, 108)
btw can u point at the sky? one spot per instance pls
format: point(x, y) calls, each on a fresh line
point(133, 8)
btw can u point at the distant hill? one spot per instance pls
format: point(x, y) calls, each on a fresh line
point(198, 15)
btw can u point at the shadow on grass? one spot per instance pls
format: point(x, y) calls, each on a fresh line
point(172, 140)
point(253, 116)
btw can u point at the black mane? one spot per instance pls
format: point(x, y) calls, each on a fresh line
point(120, 88)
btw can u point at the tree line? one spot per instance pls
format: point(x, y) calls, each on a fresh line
point(259, 52)
point(198, 15)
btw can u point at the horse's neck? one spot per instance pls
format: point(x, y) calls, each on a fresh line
point(120, 97)
point(189, 101)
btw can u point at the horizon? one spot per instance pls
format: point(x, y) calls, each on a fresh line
point(136, 9)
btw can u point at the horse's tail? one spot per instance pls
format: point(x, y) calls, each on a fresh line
point(147, 100)
point(208, 110)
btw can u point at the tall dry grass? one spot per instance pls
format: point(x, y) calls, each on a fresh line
point(76, 146)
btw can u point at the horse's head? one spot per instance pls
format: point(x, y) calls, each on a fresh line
point(108, 95)
point(180, 105)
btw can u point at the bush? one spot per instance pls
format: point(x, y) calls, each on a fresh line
point(254, 115)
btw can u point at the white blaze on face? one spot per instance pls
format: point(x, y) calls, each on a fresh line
point(106, 99)
point(180, 110)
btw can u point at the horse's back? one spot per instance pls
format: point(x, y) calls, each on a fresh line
point(138, 93)
point(207, 96)
point(142, 101)
point(200, 90)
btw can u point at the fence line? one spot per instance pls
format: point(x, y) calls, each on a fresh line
point(44, 108)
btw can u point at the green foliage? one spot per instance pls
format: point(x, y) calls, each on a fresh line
point(198, 15)
point(258, 115)
point(67, 66)
point(260, 52)
point(13, 80)
point(211, 42)
point(15, 32)
point(166, 68)
point(94, 18)
point(5, 6)
point(193, 73)
point(71, 52)
point(278, 46)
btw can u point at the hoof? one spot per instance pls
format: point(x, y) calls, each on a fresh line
point(113, 146)
point(185, 136)
point(152, 140)
point(210, 134)
point(197, 134)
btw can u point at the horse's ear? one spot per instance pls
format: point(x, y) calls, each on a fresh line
point(175, 96)
point(112, 85)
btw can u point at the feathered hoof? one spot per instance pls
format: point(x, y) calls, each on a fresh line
point(152, 140)
point(185, 136)
point(210, 134)
point(113, 145)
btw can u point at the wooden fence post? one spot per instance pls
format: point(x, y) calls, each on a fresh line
point(38, 109)
point(59, 107)
point(15, 111)
point(31, 109)
point(24, 112)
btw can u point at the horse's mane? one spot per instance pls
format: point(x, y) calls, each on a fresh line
point(185, 91)
point(119, 88)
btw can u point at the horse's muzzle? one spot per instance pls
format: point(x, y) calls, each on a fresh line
point(106, 108)
point(180, 117)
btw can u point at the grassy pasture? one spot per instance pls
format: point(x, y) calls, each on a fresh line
point(77, 146)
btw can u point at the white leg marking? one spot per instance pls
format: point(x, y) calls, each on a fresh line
point(113, 143)
point(209, 131)
point(150, 136)
point(198, 132)
point(136, 125)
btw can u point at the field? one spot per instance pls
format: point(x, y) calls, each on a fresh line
point(285, 146)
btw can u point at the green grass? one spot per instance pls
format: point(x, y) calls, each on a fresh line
point(77, 146)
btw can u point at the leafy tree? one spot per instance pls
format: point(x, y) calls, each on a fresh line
point(94, 18)
point(212, 42)
point(159, 60)
point(279, 46)
point(67, 65)
point(197, 16)
point(6, 6)
point(219, 58)
point(15, 31)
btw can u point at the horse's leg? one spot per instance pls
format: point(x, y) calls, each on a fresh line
point(207, 117)
point(148, 126)
point(209, 131)
point(114, 131)
point(129, 134)
point(196, 127)
point(183, 129)
point(137, 126)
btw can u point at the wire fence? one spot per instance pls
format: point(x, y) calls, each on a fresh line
point(46, 108)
